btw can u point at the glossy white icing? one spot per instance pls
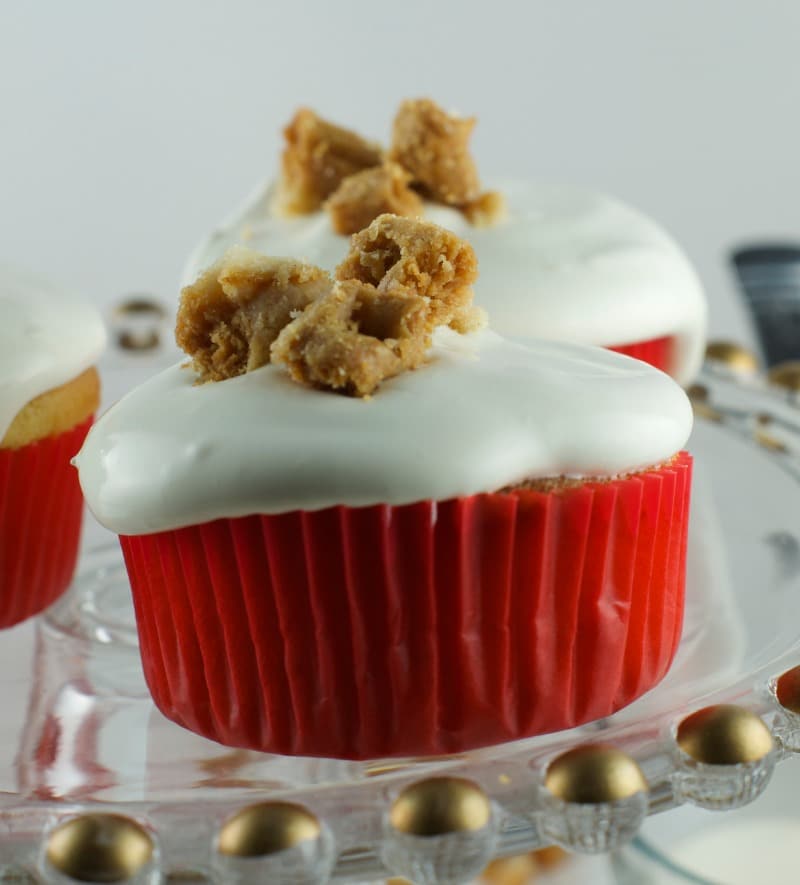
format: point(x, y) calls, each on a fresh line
point(565, 264)
point(47, 338)
point(483, 413)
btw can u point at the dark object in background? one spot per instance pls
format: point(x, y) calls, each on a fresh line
point(769, 275)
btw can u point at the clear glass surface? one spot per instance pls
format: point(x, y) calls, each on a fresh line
point(690, 845)
point(79, 731)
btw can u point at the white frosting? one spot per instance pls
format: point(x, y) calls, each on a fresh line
point(565, 264)
point(483, 413)
point(47, 338)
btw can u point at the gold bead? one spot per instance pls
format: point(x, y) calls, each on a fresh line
point(786, 375)
point(594, 773)
point(724, 735)
point(136, 321)
point(787, 690)
point(99, 848)
point(440, 805)
point(263, 829)
point(697, 393)
point(733, 356)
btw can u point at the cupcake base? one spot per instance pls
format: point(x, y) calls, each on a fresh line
point(40, 522)
point(423, 629)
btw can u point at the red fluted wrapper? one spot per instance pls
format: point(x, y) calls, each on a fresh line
point(429, 628)
point(40, 523)
point(656, 351)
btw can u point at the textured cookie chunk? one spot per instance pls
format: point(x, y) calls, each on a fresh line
point(318, 156)
point(420, 256)
point(487, 209)
point(228, 319)
point(353, 338)
point(434, 147)
point(362, 197)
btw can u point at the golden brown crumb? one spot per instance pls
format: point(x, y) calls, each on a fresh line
point(354, 337)
point(420, 256)
point(487, 209)
point(318, 156)
point(228, 318)
point(362, 197)
point(434, 146)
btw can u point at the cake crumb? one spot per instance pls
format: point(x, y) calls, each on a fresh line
point(362, 197)
point(486, 210)
point(228, 319)
point(355, 337)
point(420, 256)
point(434, 147)
point(317, 157)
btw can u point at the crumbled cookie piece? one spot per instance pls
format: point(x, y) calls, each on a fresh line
point(487, 209)
point(353, 338)
point(362, 197)
point(228, 319)
point(433, 146)
point(420, 256)
point(317, 157)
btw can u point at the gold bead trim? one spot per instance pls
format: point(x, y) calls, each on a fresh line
point(128, 316)
point(724, 734)
point(593, 774)
point(768, 441)
point(440, 806)
point(786, 375)
point(99, 848)
point(266, 828)
point(733, 356)
point(138, 306)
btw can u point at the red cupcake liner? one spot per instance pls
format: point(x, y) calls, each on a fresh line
point(656, 351)
point(423, 629)
point(41, 507)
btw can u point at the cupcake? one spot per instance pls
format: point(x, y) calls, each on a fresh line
point(360, 524)
point(49, 391)
point(557, 262)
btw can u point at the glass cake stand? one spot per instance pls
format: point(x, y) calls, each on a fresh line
point(79, 736)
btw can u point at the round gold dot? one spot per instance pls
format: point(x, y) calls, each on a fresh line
point(786, 375)
point(697, 393)
point(99, 848)
point(724, 735)
point(733, 356)
point(787, 690)
point(593, 774)
point(139, 305)
point(768, 441)
point(266, 828)
point(439, 806)
point(137, 323)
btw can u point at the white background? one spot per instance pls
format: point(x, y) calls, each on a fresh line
point(128, 130)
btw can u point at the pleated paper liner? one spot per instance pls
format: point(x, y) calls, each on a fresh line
point(430, 628)
point(656, 351)
point(40, 523)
